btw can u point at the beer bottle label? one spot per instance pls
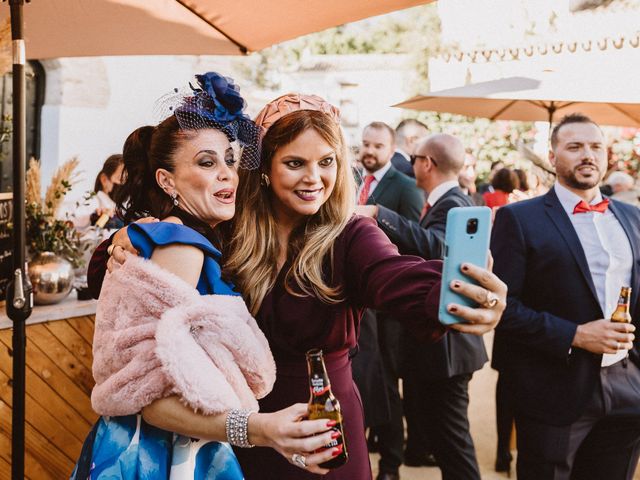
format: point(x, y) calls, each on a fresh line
point(318, 387)
point(333, 443)
point(621, 313)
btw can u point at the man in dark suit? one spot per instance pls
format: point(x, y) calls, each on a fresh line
point(436, 376)
point(383, 185)
point(564, 257)
point(408, 133)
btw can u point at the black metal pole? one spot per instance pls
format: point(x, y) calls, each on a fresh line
point(551, 110)
point(19, 296)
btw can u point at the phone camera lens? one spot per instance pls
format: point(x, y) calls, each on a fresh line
point(472, 225)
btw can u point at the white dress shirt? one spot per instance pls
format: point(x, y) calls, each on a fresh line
point(377, 176)
point(608, 253)
point(440, 190)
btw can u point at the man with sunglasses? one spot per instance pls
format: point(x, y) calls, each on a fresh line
point(436, 376)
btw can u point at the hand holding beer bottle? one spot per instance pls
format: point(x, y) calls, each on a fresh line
point(608, 335)
point(324, 405)
point(621, 313)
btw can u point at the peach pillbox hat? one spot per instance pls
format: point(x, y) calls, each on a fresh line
point(292, 102)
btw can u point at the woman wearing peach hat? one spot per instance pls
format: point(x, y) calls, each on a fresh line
point(307, 267)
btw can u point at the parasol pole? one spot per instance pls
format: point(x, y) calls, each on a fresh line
point(551, 110)
point(19, 293)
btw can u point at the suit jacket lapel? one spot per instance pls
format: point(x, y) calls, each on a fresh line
point(385, 181)
point(635, 249)
point(425, 220)
point(565, 227)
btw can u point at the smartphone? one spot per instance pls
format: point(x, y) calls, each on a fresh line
point(466, 241)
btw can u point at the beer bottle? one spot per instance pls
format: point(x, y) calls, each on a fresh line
point(621, 313)
point(102, 220)
point(322, 404)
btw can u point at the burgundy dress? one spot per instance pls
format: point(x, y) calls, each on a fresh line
point(372, 274)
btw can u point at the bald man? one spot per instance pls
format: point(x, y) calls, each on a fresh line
point(436, 377)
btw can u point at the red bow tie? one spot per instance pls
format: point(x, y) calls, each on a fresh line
point(583, 207)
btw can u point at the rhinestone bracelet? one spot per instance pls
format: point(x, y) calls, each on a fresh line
point(236, 427)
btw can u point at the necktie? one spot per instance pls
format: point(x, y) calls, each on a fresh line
point(364, 193)
point(583, 207)
point(425, 209)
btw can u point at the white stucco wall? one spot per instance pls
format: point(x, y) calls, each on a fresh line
point(92, 105)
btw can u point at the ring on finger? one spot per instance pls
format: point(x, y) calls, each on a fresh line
point(617, 346)
point(299, 460)
point(491, 300)
point(110, 249)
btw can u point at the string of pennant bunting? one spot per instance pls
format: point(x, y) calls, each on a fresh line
point(515, 53)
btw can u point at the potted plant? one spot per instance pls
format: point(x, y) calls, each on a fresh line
point(54, 246)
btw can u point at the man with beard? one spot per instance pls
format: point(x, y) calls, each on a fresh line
point(575, 376)
point(378, 383)
point(382, 183)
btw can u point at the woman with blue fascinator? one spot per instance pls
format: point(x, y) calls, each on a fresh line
point(179, 362)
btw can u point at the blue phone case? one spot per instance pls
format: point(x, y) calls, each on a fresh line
point(462, 245)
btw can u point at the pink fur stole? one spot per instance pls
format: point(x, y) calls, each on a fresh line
point(156, 336)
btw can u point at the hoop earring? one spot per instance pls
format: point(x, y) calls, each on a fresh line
point(264, 180)
point(174, 197)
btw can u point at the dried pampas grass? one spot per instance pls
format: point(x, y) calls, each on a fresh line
point(62, 181)
point(32, 193)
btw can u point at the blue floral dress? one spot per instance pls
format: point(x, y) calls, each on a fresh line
point(128, 448)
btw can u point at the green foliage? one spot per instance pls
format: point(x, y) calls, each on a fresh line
point(45, 233)
point(5, 132)
point(387, 36)
point(415, 31)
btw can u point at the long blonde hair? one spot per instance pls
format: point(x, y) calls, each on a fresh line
point(253, 250)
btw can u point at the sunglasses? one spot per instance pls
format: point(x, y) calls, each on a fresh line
point(413, 159)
